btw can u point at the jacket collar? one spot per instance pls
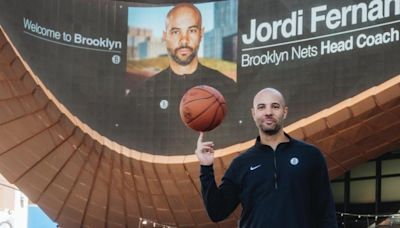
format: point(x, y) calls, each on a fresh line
point(259, 145)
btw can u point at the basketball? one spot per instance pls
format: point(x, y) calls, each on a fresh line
point(202, 108)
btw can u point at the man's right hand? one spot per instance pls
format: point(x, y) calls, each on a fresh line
point(205, 151)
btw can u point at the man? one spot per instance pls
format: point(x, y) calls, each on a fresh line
point(156, 101)
point(280, 181)
point(182, 35)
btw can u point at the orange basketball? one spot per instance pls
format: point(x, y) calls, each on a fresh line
point(202, 108)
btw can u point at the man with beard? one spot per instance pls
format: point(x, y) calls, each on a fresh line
point(182, 35)
point(156, 101)
point(280, 181)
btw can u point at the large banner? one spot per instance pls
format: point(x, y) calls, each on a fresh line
point(122, 67)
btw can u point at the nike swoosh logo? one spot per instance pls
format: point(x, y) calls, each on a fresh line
point(254, 167)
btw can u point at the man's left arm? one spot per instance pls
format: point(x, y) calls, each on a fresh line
point(323, 203)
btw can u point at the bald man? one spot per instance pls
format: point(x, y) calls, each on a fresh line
point(280, 181)
point(182, 35)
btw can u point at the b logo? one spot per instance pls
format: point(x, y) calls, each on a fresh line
point(164, 104)
point(294, 161)
point(116, 59)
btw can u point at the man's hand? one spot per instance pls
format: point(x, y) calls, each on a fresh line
point(205, 151)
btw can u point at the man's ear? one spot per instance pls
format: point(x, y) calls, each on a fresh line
point(285, 112)
point(202, 31)
point(252, 112)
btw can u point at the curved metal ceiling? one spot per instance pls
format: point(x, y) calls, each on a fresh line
point(80, 178)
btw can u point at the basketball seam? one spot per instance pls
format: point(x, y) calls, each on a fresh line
point(203, 98)
point(214, 117)
point(212, 94)
point(205, 110)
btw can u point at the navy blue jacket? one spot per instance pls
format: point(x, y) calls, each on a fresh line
point(288, 187)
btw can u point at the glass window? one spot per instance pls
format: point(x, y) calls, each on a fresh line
point(364, 170)
point(391, 166)
point(390, 189)
point(338, 191)
point(339, 178)
point(362, 191)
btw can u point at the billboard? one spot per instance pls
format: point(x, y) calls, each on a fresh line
point(104, 60)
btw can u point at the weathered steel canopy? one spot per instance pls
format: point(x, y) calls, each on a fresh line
point(82, 179)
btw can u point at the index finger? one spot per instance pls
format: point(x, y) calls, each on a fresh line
point(200, 140)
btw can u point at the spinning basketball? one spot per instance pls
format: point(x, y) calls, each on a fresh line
point(202, 108)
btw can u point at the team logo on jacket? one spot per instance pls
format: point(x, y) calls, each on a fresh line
point(294, 161)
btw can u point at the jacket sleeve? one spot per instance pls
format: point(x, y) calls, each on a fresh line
point(323, 203)
point(219, 201)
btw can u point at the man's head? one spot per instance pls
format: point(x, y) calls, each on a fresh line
point(269, 110)
point(183, 33)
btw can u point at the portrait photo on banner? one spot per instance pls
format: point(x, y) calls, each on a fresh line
point(171, 49)
point(147, 52)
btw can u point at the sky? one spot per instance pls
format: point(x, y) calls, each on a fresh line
point(38, 219)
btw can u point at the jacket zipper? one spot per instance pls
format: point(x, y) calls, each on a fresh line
point(275, 171)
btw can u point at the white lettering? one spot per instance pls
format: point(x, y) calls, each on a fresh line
point(300, 52)
point(353, 14)
point(265, 31)
point(245, 38)
point(330, 47)
point(273, 57)
point(364, 40)
point(264, 26)
point(314, 18)
point(99, 42)
point(42, 31)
